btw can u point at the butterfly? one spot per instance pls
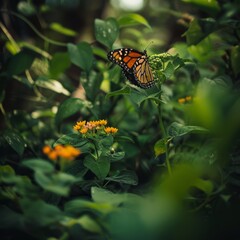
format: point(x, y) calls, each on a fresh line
point(135, 66)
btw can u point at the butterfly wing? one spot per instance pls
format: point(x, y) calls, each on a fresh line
point(135, 66)
point(142, 73)
point(125, 58)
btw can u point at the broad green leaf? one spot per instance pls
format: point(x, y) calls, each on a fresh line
point(40, 213)
point(39, 165)
point(100, 167)
point(99, 52)
point(101, 195)
point(124, 176)
point(81, 55)
point(160, 147)
point(58, 64)
point(132, 19)
point(57, 27)
point(86, 222)
point(68, 108)
point(177, 129)
point(199, 29)
point(15, 140)
point(78, 206)
point(106, 32)
point(107, 141)
point(210, 6)
point(177, 186)
point(91, 85)
point(52, 85)
point(20, 62)
point(58, 183)
point(194, 33)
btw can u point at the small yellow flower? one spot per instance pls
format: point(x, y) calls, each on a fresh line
point(79, 125)
point(110, 130)
point(181, 100)
point(84, 130)
point(102, 122)
point(188, 98)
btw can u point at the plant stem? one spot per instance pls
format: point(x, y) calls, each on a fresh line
point(162, 128)
point(7, 121)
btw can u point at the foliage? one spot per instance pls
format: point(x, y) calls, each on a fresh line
point(162, 155)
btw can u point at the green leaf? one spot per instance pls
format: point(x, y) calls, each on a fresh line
point(86, 222)
point(235, 59)
point(57, 27)
point(124, 176)
point(39, 213)
point(15, 140)
point(160, 147)
point(210, 6)
point(59, 183)
point(194, 33)
point(68, 108)
point(78, 206)
point(106, 32)
point(73, 139)
point(100, 195)
point(100, 167)
point(199, 29)
point(58, 64)
point(39, 165)
point(132, 19)
point(116, 156)
point(177, 129)
point(205, 185)
point(20, 62)
point(10, 219)
point(81, 55)
point(124, 90)
point(106, 142)
point(52, 85)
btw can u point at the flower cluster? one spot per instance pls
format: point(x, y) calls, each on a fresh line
point(185, 100)
point(66, 152)
point(93, 127)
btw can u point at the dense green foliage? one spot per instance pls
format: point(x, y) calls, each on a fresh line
point(171, 171)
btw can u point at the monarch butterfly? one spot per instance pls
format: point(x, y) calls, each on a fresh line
point(135, 66)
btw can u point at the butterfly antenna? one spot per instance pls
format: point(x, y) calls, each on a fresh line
point(151, 42)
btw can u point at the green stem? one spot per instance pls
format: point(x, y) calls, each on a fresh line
point(162, 128)
point(7, 121)
point(33, 28)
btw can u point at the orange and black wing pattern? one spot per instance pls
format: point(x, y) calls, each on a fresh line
point(134, 65)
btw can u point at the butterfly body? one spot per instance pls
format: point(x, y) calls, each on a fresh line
point(135, 66)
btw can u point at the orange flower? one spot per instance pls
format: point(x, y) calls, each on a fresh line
point(110, 130)
point(83, 130)
point(66, 152)
point(46, 149)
